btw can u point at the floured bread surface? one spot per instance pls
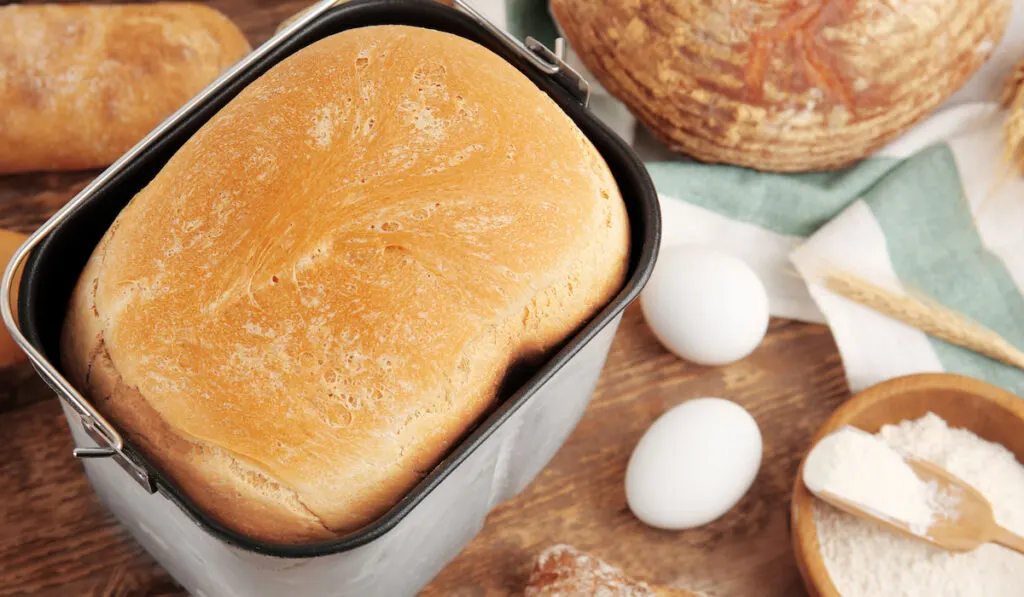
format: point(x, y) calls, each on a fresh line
point(786, 86)
point(323, 289)
point(80, 84)
point(564, 571)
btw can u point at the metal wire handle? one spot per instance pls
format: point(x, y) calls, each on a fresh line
point(538, 55)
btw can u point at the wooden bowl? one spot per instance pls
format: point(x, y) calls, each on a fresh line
point(990, 412)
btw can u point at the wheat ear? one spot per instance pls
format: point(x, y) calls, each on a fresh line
point(926, 315)
point(1013, 100)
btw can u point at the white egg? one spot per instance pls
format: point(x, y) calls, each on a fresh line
point(693, 464)
point(704, 305)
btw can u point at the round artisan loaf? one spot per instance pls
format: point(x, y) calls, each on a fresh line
point(324, 288)
point(782, 86)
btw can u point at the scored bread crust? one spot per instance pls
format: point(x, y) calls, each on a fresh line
point(782, 86)
point(326, 285)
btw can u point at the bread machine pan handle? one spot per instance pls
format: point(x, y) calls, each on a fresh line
point(108, 439)
point(109, 443)
point(538, 55)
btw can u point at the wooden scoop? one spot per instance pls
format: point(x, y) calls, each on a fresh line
point(967, 523)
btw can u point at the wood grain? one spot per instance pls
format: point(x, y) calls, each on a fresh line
point(58, 541)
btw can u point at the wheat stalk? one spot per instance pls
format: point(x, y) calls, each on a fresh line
point(927, 315)
point(1013, 100)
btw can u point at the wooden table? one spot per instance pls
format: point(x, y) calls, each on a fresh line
point(56, 540)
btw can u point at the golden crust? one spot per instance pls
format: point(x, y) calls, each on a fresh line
point(325, 286)
point(81, 84)
point(783, 86)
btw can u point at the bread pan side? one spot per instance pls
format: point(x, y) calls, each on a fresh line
point(54, 265)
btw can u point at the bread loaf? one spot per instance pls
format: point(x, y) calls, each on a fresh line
point(325, 286)
point(564, 571)
point(782, 86)
point(81, 84)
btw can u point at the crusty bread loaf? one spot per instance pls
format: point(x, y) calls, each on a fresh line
point(325, 286)
point(81, 84)
point(784, 86)
point(564, 571)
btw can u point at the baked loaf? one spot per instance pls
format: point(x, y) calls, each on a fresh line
point(81, 84)
point(783, 86)
point(324, 287)
point(564, 571)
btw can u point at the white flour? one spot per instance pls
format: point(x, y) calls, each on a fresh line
point(865, 560)
point(861, 468)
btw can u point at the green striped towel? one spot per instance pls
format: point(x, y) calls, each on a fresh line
point(945, 220)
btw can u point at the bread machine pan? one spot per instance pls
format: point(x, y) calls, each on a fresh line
point(399, 553)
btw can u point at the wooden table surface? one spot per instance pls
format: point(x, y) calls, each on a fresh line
point(56, 540)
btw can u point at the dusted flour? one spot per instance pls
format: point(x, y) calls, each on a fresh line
point(865, 560)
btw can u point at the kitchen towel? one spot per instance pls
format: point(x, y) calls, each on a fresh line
point(945, 221)
point(937, 212)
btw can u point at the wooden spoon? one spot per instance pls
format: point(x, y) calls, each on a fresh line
point(968, 522)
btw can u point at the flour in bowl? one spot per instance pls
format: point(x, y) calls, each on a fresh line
point(865, 560)
point(863, 469)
